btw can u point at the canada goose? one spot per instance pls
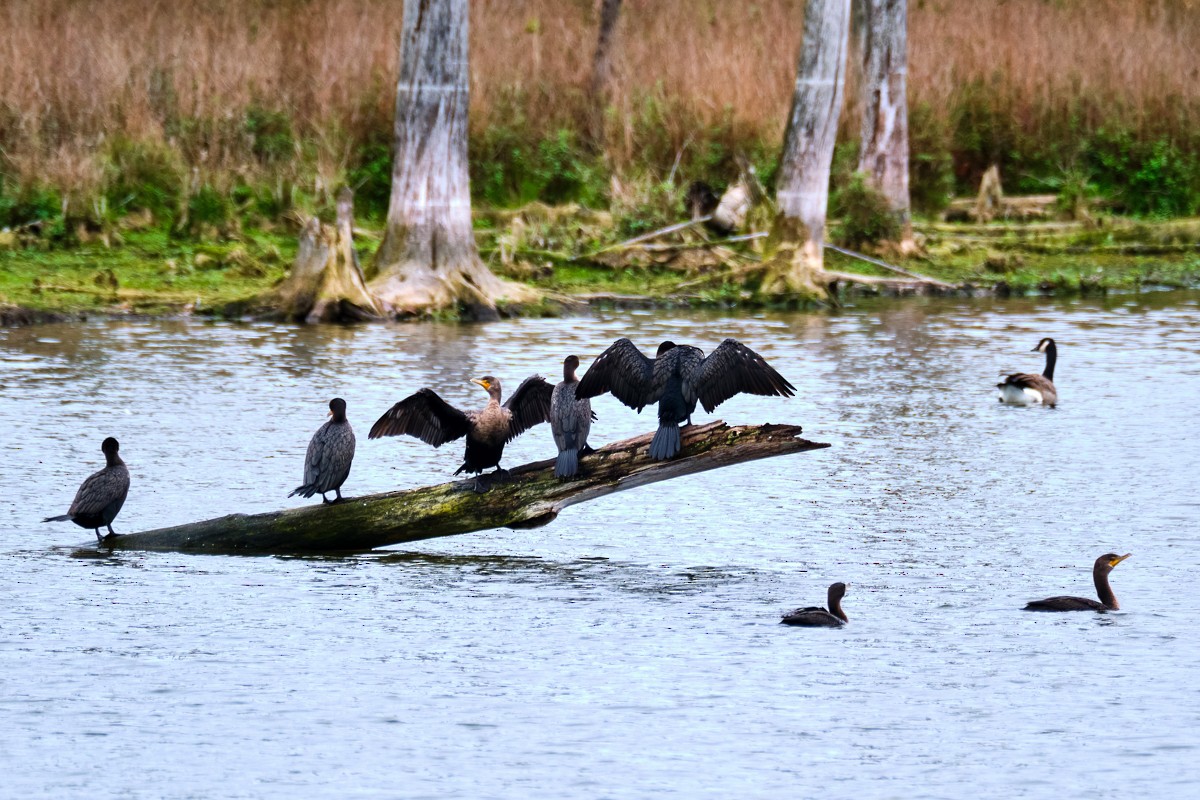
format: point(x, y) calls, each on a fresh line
point(817, 617)
point(1023, 388)
point(1108, 601)
point(101, 495)
point(330, 452)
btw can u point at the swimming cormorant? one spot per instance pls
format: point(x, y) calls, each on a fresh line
point(431, 419)
point(817, 617)
point(1023, 388)
point(330, 451)
point(1108, 601)
point(101, 496)
point(676, 378)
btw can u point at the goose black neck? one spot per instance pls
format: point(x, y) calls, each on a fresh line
point(1051, 357)
point(1103, 589)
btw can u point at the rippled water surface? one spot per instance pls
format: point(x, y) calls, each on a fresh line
point(631, 648)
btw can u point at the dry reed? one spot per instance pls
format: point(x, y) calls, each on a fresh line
point(76, 74)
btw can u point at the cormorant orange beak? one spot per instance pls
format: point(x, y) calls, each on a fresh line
point(480, 381)
point(1119, 559)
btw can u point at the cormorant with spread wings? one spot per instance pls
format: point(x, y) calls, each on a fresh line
point(676, 378)
point(431, 419)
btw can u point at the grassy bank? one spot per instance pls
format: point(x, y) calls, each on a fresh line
point(209, 114)
point(150, 272)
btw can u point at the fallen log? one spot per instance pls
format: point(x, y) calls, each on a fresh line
point(530, 498)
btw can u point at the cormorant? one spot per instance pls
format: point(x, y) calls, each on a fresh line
point(330, 451)
point(101, 496)
point(1108, 601)
point(434, 421)
point(1023, 388)
point(817, 617)
point(676, 378)
point(570, 421)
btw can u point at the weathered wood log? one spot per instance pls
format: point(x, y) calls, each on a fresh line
point(531, 497)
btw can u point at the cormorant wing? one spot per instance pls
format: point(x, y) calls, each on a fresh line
point(529, 404)
point(731, 369)
point(331, 451)
point(424, 415)
point(623, 370)
point(96, 492)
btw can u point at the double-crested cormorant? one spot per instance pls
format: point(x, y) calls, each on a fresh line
point(434, 421)
point(676, 378)
point(817, 617)
point(1023, 388)
point(101, 496)
point(1108, 601)
point(330, 451)
point(570, 421)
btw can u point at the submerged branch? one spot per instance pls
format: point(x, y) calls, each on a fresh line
point(531, 497)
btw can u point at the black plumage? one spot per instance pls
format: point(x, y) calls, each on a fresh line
point(431, 419)
point(330, 453)
point(817, 617)
point(570, 421)
point(101, 495)
point(676, 378)
point(1025, 388)
point(1108, 600)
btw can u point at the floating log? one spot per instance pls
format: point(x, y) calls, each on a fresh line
point(531, 497)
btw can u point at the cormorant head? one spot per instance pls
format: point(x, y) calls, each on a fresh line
point(569, 366)
point(110, 446)
point(1044, 345)
point(664, 347)
point(1106, 562)
point(837, 591)
point(337, 409)
point(490, 384)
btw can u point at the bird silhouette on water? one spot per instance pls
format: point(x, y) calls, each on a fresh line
point(330, 453)
point(101, 495)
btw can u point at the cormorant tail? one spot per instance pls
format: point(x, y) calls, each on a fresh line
point(567, 464)
point(60, 518)
point(307, 490)
point(666, 443)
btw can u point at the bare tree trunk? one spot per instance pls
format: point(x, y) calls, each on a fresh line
point(602, 69)
point(883, 154)
point(325, 283)
point(428, 259)
point(802, 188)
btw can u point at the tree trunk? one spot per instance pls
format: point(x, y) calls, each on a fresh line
point(883, 153)
point(602, 69)
point(802, 187)
point(530, 498)
point(428, 260)
point(326, 283)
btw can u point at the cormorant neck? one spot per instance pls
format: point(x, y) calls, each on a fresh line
point(339, 416)
point(569, 374)
point(835, 607)
point(113, 459)
point(1103, 590)
point(494, 394)
point(1051, 357)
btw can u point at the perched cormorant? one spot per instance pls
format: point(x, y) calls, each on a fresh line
point(1023, 388)
point(101, 496)
point(570, 421)
point(330, 451)
point(817, 617)
point(434, 421)
point(1108, 601)
point(676, 378)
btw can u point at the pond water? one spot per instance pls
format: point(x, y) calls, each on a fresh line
point(631, 648)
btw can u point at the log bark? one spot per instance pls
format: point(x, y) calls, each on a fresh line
point(530, 498)
point(427, 260)
point(802, 187)
point(326, 282)
point(883, 152)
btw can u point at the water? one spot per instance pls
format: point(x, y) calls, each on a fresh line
point(630, 649)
